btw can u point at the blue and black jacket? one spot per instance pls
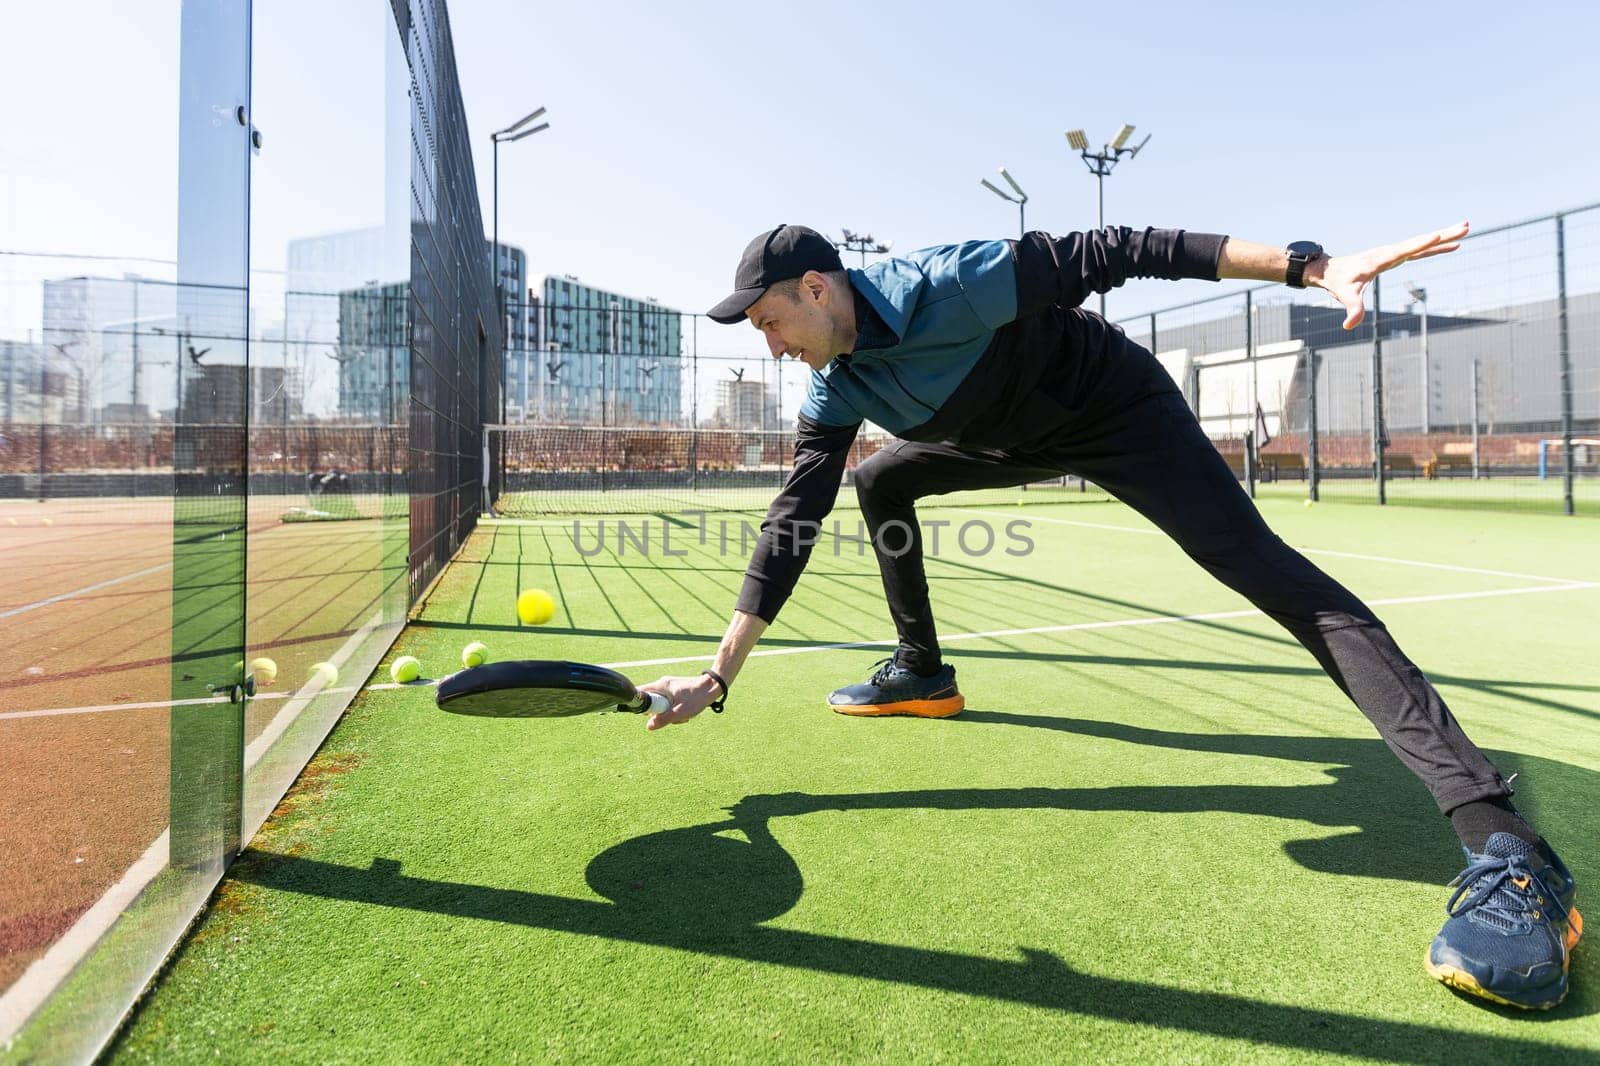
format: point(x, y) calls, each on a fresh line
point(985, 348)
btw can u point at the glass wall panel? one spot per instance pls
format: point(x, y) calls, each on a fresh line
point(329, 373)
point(123, 199)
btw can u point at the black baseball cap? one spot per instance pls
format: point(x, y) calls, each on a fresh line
point(776, 255)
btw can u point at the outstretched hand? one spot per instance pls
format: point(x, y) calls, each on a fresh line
point(686, 697)
point(1346, 277)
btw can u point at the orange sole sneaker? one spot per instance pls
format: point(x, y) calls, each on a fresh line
point(948, 707)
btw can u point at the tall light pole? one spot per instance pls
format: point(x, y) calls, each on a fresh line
point(1419, 295)
point(1020, 199)
point(509, 133)
point(1101, 164)
point(863, 243)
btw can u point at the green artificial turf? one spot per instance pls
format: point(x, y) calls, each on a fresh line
point(1150, 842)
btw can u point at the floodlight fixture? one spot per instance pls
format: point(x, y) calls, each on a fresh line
point(1417, 292)
point(521, 122)
point(1122, 137)
point(1007, 197)
point(1077, 141)
point(527, 133)
point(1004, 173)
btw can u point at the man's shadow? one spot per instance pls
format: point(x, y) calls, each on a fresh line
point(713, 888)
point(1397, 832)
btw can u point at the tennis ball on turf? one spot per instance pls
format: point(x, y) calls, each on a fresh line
point(405, 669)
point(474, 654)
point(265, 669)
point(535, 607)
point(327, 673)
point(1308, 503)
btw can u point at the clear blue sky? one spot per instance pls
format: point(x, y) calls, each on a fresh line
point(679, 131)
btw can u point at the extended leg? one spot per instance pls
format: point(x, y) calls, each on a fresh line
point(888, 485)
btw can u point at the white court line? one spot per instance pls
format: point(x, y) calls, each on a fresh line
point(86, 588)
point(1115, 623)
point(40, 980)
point(1118, 623)
point(1307, 551)
point(46, 973)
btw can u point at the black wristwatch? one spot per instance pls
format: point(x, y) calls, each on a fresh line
point(1300, 254)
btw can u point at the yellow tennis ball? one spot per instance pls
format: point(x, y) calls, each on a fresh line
point(405, 669)
point(49, 521)
point(1308, 503)
point(535, 607)
point(327, 673)
point(474, 654)
point(265, 669)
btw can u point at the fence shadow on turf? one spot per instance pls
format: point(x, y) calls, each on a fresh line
point(657, 885)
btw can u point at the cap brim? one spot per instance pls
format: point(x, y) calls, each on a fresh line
point(732, 309)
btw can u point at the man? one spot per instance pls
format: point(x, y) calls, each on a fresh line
point(978, 357)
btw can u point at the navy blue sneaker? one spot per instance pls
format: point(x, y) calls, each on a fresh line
point(1512, 926)
point(892, 689)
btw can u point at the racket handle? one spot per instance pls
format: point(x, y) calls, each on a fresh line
point(652, 703)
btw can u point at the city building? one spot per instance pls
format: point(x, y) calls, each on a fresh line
point(745, 404)
point(374, 360)
point(595, 356)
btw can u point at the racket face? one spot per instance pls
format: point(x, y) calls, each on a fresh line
point(534, 688)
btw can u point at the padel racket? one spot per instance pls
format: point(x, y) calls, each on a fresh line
point(542, 688)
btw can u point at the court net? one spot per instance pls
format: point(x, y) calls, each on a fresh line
point(585, 470)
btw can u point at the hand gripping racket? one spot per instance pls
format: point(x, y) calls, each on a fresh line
point(542, 688)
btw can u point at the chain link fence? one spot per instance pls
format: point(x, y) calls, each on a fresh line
point(1474, 380)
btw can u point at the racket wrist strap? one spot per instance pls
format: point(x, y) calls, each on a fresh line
point(716, 704)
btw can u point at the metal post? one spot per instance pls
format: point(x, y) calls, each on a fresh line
point(1377, 389)
point(1100, 182)
point(1311, 422)
point(694, 402)
point(499, 305)
point(1474, 420)
point(135, 349)
point(1566, 366)
point(1250, 461)
point(1250, 354)
point(1153, 348)
point(44, 374)
point(1427, 375)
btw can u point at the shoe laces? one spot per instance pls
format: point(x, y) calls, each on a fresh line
point(881, 670)
point(1507, 893)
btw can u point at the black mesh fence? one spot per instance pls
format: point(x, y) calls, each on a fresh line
point(456, 337)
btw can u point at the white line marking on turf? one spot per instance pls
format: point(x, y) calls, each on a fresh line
point(1118, 623)
point(45, 973)
point(86, 588)
point(1114, 623)
point(1307, 551)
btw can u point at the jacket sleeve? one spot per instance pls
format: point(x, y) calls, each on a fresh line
point(1065, 270)
point(794, 521)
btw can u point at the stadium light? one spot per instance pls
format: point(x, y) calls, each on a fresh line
point(863, 243)
point(1100, 164)
point(1020, 199)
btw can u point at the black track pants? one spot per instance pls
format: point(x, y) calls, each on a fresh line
point(1151, 453)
